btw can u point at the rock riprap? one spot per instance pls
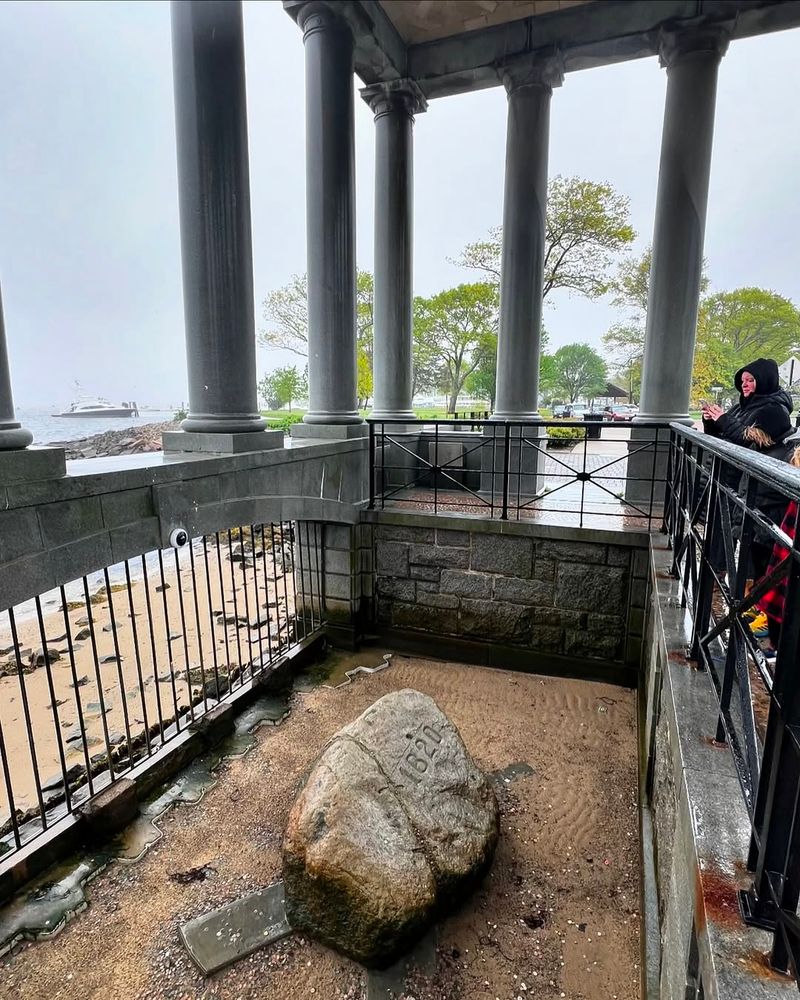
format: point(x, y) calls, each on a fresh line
point(394, 826)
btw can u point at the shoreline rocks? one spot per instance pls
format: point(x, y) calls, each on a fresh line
point(127, 441)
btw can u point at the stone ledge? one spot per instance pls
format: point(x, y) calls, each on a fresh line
point(27, 465)
point(222, 444)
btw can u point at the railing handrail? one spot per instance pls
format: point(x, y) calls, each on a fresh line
point(770, 470)
point(542, 422)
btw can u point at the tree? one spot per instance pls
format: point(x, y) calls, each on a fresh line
point(587, 226)
point(483, 381)
point(578, 370)
point(454, 326)
point(286, 312)
point(282, 386)
point(625, 340)
point(744, 324)
point(364, 386)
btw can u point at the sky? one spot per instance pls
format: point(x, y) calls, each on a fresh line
point(89, 247)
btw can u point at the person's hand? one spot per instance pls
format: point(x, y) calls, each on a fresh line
point(712, 412)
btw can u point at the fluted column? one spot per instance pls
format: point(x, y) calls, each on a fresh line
point(330, 218)
point(691, 60)
point(214, 194)
point(529, 86)
point(12, 434)
point(394, 106)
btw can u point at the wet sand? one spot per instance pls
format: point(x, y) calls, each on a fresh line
point(558, 916)
point(139, 674)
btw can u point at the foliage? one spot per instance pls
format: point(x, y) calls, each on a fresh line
point(587, 226)
point(456, 326)
point(282, 386)
point(180, 415)
point(625, 342)
point(735, 327)
point(578, 370)
point(285, 423)
point(364, 386)
point(562, 437)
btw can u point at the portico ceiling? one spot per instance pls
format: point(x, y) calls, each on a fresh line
point(454, 46)
point(426, 20)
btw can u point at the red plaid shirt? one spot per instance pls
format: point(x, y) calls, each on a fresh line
point(773, 602)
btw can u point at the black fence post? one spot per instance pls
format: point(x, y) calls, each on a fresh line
point(372, 466)
point(705, 590)
point(506, 459)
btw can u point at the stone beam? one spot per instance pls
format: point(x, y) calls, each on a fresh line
point(592, 35)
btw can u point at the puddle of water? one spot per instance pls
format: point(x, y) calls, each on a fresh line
point(50, 901)
point(46, 905)
point(332, 670)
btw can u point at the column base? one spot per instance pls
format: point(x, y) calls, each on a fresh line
point(330, 432)
point(405, 416)
point(526, 459)
point(664, 418)
point(648, 453)
point(225, 423)
point(31, 465)
point(528, 416)
point(14, 436)
point(220, 443)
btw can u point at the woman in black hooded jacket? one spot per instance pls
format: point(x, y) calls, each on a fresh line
point(763, 406)
point(762, 403)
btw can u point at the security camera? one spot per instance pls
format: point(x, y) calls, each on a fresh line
point(178, 537)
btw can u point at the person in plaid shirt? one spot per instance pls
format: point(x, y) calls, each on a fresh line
point(774, 601)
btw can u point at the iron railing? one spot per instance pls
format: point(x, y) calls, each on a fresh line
point(723, 500)
point(104, 672)
point(521, 469)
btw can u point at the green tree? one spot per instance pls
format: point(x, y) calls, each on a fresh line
point(364, 387)
point(587, 227)
point(455, 326)
point(483, 381)
point(578, 370)
point(738, 326)
point(282, 386)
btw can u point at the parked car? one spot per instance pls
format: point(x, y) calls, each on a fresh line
point(621, 412)
point(560, 411)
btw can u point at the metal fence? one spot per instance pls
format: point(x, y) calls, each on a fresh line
point(104, 672)
point(516, 470)
point(727, 509)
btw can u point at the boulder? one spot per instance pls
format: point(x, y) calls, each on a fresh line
point(394, 826)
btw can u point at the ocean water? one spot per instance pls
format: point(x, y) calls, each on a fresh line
point(47, 428)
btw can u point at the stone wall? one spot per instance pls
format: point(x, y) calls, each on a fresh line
point(566, 591)
point(104, 510)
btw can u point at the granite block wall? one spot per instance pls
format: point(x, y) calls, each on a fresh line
point(554, 595)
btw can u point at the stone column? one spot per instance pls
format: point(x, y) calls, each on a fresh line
point(12, 434)
point(330, 222)
point(692, 59)
point(529, 86)
point(216, 245)
point(394, 106)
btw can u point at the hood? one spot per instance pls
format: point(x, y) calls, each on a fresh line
point(765, 372)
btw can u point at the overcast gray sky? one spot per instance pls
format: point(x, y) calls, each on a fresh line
point(89, 251)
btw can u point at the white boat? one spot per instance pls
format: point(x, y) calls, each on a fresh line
point(100, 408)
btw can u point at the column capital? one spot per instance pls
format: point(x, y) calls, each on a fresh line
point(316, 16)
point(544, 70)
point(403, 96)
point(676, 44)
